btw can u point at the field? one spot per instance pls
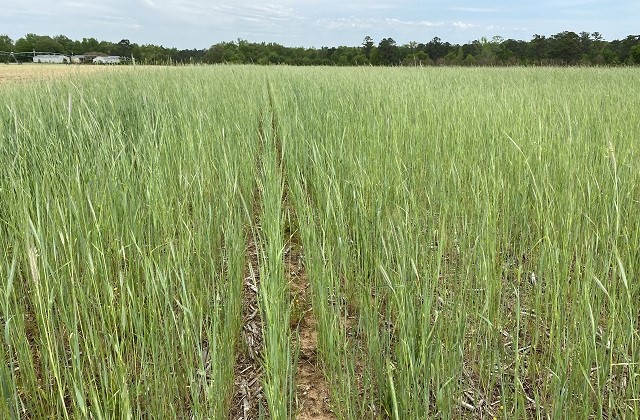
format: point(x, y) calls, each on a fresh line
point(246, 242)
point(13, 74)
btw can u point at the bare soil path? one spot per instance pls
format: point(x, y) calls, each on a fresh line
point(248, 399)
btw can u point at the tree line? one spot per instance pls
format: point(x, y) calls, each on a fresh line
point(562, 49)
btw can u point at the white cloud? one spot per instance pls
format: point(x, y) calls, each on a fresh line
point(353, 22)
point(464, 25)
point(274, 10)
point(151, 4)
point(230, 16)
point(475, 9)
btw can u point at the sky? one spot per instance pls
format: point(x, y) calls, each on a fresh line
point(200, 23)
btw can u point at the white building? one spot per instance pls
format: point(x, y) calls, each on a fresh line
point(50, 58)
point(77, 59)
point(112, 59)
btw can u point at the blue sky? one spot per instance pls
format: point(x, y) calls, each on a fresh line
point(200, 23)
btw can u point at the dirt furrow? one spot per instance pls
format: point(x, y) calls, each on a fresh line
point(312, 388)
point(248, 398)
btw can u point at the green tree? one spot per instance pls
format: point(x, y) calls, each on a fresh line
point(341, 56)
point(565, 48)
point(311, 56)
point(360, 60)
point(367, 46)
point(585, 42)
point(215, 54)
point(624, 47)
point(274, 58)
point(248, 50)
point(635, 54)
point(123, 48)
point(230, 52)
point(470, 60)
point(418, 59)
point(454, 57)
point(154, 54)
point(26, 43)
point(47, 44)
point(374, 57)
point(65, 43)
point(537, 49)
point(488, 55)
point(6, 43)
point(515, 49)
point(89, 44)
point(388, 52)
point(436, 49)
point(609, 56)
point(107, 47)
point(38, 43)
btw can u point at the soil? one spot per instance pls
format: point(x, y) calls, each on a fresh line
point(248, 399)
point(312, 389)
point(247, 388)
